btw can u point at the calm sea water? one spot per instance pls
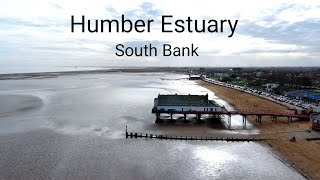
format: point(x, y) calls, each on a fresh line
point(35, 69)
point(73, 127)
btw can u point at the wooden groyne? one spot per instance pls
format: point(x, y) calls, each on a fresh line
point(190, 138)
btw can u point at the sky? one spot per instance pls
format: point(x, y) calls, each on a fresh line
point(37, 33)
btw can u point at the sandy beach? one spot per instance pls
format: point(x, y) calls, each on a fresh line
point(302, 155)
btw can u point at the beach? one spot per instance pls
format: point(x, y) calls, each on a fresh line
point(302, 155)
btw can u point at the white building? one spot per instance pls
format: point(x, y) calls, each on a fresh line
point(271, 87)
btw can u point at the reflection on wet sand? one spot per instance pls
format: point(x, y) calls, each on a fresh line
point(79, 133)
point(18, 104)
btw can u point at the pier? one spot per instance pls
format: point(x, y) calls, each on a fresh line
point(244, 114)
point(200, 105)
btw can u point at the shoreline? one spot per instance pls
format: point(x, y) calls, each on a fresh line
point(43, 75)
point(48, 74)
point(301, 155)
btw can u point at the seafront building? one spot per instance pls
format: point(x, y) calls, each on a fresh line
point(185, 103)
point(194, 77)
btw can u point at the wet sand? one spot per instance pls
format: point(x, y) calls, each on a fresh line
point(302, 155)
point(14, 104)
point(72, 127)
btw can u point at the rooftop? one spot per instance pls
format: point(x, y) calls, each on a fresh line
point(304, 94)
point(185, 100)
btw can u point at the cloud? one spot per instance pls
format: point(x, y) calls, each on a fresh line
point(281, 31)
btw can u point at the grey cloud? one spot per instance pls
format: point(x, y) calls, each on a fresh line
point(17, 22)
point(145, 10)
point(57, 6)
point(45, 22)
point(303, 33)
point(110, 10)
point(141, 43)
point(268, 51)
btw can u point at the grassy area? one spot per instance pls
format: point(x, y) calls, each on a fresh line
point(215, 78)
point(315, 90)
point(240, 82)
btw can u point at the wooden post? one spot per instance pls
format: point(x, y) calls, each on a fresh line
point(126, 132)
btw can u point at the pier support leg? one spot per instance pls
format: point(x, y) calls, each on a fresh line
point(244, 120)
point(198, 117)
point(170, 116)
point(158, 120)
point(274, 119)
point(184, 117)
point(259, 119)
